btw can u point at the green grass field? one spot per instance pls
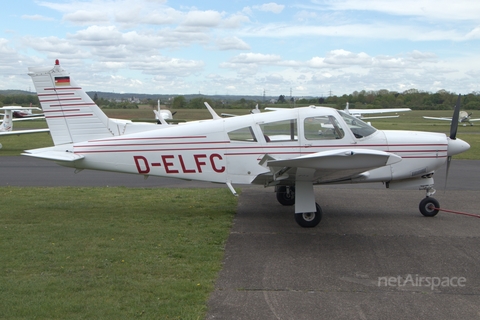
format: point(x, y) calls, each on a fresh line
point(111, 253)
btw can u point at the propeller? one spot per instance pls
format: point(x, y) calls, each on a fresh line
point(454, 125)
point(453, 133)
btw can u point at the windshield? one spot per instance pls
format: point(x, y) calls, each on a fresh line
point(359, 128)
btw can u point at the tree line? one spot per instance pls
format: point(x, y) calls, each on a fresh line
point(414, 99)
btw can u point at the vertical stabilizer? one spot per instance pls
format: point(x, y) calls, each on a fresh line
point(7, 124)
point(71, 114)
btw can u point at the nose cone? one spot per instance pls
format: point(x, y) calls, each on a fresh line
point(457, 146)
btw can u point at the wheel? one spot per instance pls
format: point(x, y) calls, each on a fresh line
point(429, 207)
point(309, 219)
point(286, 195)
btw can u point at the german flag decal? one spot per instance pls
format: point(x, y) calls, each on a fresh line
point(62, 81)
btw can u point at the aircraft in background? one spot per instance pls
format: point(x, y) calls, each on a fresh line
point(463, 118)
point(291, 150)
point(163, 114)
point(25, 113)
point(359, 113)
point(6, 125)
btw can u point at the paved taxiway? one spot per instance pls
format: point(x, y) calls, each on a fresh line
point(274, 269)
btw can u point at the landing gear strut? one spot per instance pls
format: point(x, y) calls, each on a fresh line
point(309, 219)
point(429, 206)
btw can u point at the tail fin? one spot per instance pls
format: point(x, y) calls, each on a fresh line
point(71, 114)
point(7, 124)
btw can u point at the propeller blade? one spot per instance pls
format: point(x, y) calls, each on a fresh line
point(449, 160)
point(454, 125)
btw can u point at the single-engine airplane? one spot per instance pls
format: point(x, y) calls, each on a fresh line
point(291, 150)
point(359, 113)
point(463, 118)
point(6, 124)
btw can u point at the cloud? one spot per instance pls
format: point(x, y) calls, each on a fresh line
point(257, 58)
point(428, 9)
point(270, 7)
point(232, 43)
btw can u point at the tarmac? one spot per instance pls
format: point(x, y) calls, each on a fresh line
point(373, 256)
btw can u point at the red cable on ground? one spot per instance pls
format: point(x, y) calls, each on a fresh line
point(458, 212)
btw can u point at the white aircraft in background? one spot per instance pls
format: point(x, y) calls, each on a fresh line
point(359, 113)
point(463, 118)
point(291, 150)
point(6, 125)
point(163, 116)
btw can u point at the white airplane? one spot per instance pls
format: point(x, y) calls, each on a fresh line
point(359, 113)
point(163, 116)
point(291, 150)
point(6, 125)
point(463, 118)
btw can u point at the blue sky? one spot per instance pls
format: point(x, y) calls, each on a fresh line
point(307, 48)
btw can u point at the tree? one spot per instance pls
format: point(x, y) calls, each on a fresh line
point(281, 99)
point(179, 102)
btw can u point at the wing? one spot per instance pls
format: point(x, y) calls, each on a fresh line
point(28, 118)
point(376, 111)
point(330, 166)
point(18, 132)
point(434, 118)
point(472, 120)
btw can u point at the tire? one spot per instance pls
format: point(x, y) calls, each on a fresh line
point(429, 207)
point(309, 219)
point(286, 196)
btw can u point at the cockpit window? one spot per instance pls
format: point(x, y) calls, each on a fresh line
point(359, 128)
point(243, 134)
point(322, 128)
point(280, 131)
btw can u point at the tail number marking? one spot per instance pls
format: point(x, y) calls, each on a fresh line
point(174, 164)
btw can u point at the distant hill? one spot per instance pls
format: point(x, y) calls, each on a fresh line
point(164, 97)
point(16, 92)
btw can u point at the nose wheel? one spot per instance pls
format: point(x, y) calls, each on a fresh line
point(429, 207)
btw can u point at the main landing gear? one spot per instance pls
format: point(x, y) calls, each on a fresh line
point(286, 197)
point(309, 219)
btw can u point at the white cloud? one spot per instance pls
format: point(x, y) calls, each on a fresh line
point(270, 7)
point(232, 43)
point(428, 9)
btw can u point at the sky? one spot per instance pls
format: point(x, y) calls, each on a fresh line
point(294, 48)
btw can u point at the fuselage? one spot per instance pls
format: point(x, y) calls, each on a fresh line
point(232, 149)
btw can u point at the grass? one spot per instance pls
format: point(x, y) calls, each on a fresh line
point(111, 253)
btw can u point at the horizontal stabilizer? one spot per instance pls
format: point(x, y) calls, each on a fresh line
point(51, 154)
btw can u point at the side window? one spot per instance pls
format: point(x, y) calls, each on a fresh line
point(242, 134)
point(280, 131)
point(322, 128)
